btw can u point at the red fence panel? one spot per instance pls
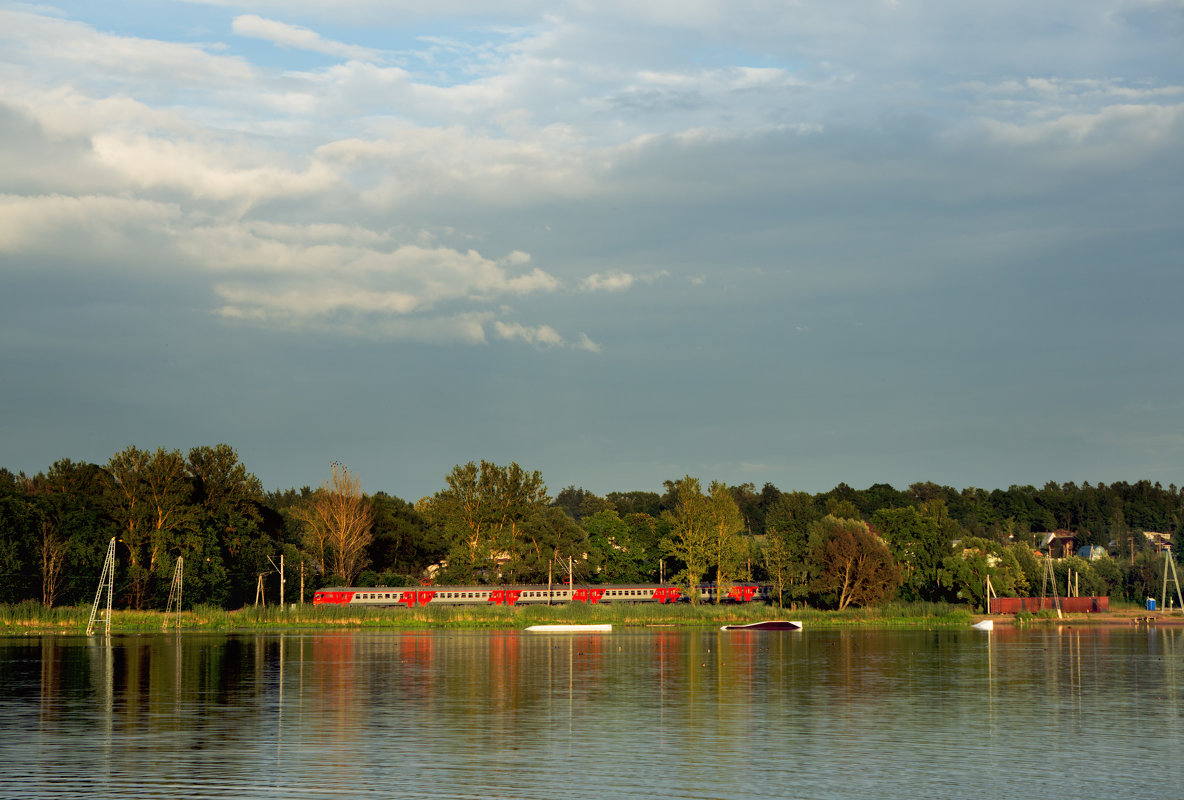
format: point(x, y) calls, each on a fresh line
point(1072, 605)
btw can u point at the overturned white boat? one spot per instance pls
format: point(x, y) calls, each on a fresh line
point(769, 625)
point(570, 628)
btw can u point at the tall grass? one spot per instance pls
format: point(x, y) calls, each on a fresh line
point(33, 617)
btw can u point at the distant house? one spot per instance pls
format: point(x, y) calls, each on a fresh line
point(1092, 552)
point(1059, 543)
point(1158, 541)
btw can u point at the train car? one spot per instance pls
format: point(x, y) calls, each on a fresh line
point(411, 597)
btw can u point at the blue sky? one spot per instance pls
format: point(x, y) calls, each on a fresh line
point(795, 242)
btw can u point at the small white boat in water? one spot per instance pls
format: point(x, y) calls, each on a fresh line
point(570, 628)
point(985, 625)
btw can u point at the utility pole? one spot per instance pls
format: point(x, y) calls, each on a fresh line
point(106, 581)
point(279, 569)
point(175, 593)
point(1170, 563)
point(1049, 576)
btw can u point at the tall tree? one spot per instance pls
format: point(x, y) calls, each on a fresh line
point(787, 529)
point(338, 523)
point(691, 537)
point(580, 503)
point(920, 543)
point(854, 566)
point(548, 537)
point(235, 542)
point(728, 549)
point(172, 514)
point(621, 556)
point(127, 505)
point(481, 513)
point(403, 542)
point(70, 496)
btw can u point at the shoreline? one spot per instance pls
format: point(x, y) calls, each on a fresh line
point(1120, 618)
point(73, 620)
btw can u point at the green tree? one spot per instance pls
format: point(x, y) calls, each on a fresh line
point(853, 566)
point(779, 563)
point(580, 503)
point(70, 496)
point(238, 532)
point(979, 559)
point(621, 558)
point(149, 497)
point(787, 532)
point(547, 537)
point(127, 505)
point(480, 514)
point(919, 544)
point(404, 542)
point(627, 503)
point(728, 550)
point(173, 517)
point(19, 531)
point(691, 539)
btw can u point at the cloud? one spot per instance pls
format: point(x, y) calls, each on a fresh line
point(294, 271)
point(284, 35)
point(585, 343)
point(72, 53)
point(607, 282)
point(540, 336)
point(80, 226)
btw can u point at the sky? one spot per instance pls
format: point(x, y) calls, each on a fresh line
point(802, 243)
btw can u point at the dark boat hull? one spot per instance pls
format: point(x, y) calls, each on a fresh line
point(770, 625)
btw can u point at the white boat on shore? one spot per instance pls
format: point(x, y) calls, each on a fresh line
point(570, 628)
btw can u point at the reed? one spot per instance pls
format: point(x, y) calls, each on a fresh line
point(31, 617)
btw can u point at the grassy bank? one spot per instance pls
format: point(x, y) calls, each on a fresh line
point(33, 618)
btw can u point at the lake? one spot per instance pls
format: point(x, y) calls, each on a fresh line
point(1069, 712)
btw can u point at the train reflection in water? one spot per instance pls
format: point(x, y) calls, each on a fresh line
point(532, 595)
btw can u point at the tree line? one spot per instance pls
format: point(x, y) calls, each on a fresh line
point(499, 524)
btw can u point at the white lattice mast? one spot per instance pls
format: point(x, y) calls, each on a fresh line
point(106, 581)
point(1169, 563)
point(175, 593)
point(1050, 577)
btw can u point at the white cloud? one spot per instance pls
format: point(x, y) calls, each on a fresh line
point(356, 281)
point(65, 225)
point(207, 170)
point(1116, 133)
point(77, 54)
point(541, 336)
point(293, 36)
point(585, 343)
point(607, 282)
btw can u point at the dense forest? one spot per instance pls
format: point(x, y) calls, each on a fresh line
point(500, 524)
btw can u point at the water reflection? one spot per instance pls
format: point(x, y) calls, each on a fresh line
point(669, 712)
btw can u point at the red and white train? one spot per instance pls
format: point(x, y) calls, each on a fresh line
point(531, 595)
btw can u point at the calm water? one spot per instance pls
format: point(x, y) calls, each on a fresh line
point(1074, 713)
